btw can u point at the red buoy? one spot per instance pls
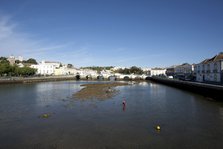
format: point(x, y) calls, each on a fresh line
point(123, 102)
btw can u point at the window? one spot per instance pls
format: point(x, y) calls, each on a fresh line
point(208, 68)
point(215, 77)
point(215, 68)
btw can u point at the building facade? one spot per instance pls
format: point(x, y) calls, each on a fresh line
point(170, 71)
point(46, 67)
point(210, 70)
point(11, 60)
point(184, 69)
point(147, 71)
point(157, 72)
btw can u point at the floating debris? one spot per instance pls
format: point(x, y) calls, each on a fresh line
point(45, 115)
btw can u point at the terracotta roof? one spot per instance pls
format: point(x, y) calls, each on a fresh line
point(218, 57)
point(213, 59)
point(210, 60)
point(204, 61)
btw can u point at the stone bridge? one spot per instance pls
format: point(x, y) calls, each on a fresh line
point(90, 74)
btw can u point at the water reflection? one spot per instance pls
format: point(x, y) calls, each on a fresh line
point(186, 119)
point(157, 91)
point(143, 84)
point(53, 92)
point(124, 105)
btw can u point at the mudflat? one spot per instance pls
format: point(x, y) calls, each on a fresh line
point(98, 91)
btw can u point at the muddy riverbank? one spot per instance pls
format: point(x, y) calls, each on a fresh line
point(98, 91)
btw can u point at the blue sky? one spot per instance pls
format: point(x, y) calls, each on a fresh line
point(145, 33)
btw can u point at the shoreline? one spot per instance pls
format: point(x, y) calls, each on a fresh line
point(17, 80)
point(21, 80)
point(208, 90)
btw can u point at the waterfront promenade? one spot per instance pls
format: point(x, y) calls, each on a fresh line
point(207, 90)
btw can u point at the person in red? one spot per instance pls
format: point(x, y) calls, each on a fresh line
point(124, 104)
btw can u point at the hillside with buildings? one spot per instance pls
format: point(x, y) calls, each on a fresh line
point(208, 71)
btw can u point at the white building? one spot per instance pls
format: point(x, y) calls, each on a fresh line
point(84, 73)
point(210, 70)
point(157, 71)
point(64, 70)
point(20, 65)
point(146, 71)
point(11, 59)
point(117, 68)
point(184, 69)
point(20, 58)
point(106, 73)
point(46, 67)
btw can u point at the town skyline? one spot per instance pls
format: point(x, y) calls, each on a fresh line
point(21, 59)
point(112, 33)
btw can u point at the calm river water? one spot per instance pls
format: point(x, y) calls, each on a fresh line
point(187, 120)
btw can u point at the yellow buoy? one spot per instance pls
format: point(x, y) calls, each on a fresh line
point(158, 127)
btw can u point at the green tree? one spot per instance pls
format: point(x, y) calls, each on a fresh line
point(69, 66)
point(31, 61)
point(4, 68)
point(17, 61)
point(98, 68)
point(126, 71)
point(26, 71)
point(4, 60)
point(136, 70)
point(7, 69)
point(132, 70)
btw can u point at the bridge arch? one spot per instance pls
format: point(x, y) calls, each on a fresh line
point(78, 77)
point(126, 78)
point(100, 78)
point(147, 78)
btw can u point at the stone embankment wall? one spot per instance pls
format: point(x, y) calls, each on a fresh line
point(207, 90)
point(34, 79)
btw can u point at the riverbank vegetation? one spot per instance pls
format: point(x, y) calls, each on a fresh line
point(28, 62)
point(97, 68)
point(131, 70)
point(98, 91)
point(13, 70)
